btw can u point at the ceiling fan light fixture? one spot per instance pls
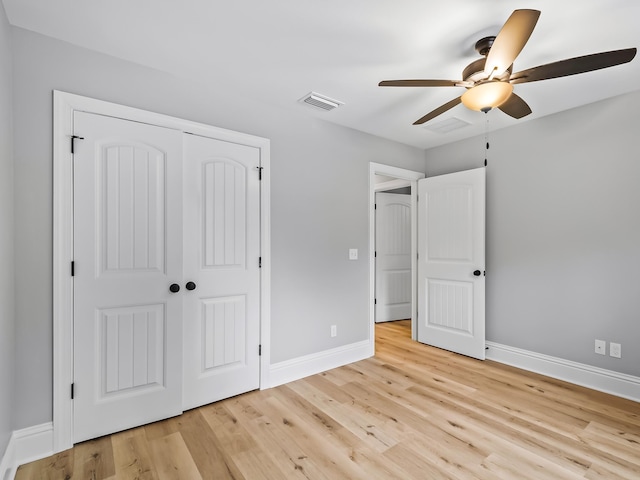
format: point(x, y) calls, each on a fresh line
point(487, 95)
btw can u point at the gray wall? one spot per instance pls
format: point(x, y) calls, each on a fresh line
point(7, 318)
point(319, 207)
point(563, 231)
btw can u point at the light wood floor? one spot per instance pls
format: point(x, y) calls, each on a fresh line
point(411, 412)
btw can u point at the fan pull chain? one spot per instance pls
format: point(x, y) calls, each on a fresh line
point(486, 137)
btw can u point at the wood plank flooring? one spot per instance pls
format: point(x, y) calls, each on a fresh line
point(411, 412)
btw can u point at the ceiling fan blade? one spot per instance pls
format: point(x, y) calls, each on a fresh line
point(419, 83)
point(438, 111)
point(515, 107)
point(510, 41)
point(573, 66)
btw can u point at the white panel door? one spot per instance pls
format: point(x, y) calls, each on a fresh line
point(451, 262)
point(127, 252)
point(222, 250)
point(393, 257)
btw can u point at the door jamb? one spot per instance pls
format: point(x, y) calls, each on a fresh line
point(411, 177)
point(64, 106)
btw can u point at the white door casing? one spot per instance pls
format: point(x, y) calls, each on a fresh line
point(222, 250)
point(128, 249)
point(405, 178)
point(451, 237)
point(393, 257)
point(66, 106)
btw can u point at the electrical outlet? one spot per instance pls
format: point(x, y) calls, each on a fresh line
point(353, 254)
point(601, 347)
point(334, 330)
point(615, 350)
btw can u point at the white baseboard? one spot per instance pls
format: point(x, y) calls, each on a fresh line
point(608, 381)
point(297, 368)
point(26, 445)
point(7, 465)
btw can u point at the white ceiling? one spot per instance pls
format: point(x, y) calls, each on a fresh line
point(279, 50)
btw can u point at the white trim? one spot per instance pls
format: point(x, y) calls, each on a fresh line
point(297, 368)
point(7, 462)
point(65, 104)
point(392, 185)
point(62, 282)
point(265, 271)
point(26, 445)
point(411, 179)
point(608, 381)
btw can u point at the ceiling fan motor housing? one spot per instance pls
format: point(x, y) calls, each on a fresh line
point(474, 72)
point(483, 45)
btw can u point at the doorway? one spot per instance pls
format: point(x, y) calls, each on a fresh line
point(383, 178)
point(453, 206)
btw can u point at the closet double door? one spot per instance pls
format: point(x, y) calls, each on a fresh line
point(166, 272)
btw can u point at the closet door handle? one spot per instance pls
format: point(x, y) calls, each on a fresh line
point(477, 273)
point(190, 286)
point(174, 288)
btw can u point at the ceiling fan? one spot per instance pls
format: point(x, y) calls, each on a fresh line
point(489, 81)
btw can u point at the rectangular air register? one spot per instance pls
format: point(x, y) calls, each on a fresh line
point(321, 102)
point(446, 126)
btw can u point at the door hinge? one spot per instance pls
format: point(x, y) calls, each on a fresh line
point(375, 206)
point(375, 254)
point(259, 350)
point(375, 301)
point(259, 172)
point(73, 268)
point(73, 138)
point(72, 390)
point(259, 262)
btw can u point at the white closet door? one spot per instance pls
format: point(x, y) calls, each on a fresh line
point(127, 253)
point(451, 262)
point(393, 257)
point(221, 259)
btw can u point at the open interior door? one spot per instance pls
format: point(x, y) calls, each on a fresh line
point(451, 262)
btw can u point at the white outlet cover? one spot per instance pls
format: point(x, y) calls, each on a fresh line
point(601, 347)
point(353, 254)
point(615, 350)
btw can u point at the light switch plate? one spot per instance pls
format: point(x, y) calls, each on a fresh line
point(353, 254)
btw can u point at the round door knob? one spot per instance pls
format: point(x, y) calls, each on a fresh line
point(190, 286)
point(477, 273)
point(174, 288)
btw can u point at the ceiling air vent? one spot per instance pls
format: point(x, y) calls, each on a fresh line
point(322, 102)
point(447, 126)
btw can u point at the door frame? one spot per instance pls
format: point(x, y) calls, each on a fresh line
point(406, 177)
point(64, 106)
